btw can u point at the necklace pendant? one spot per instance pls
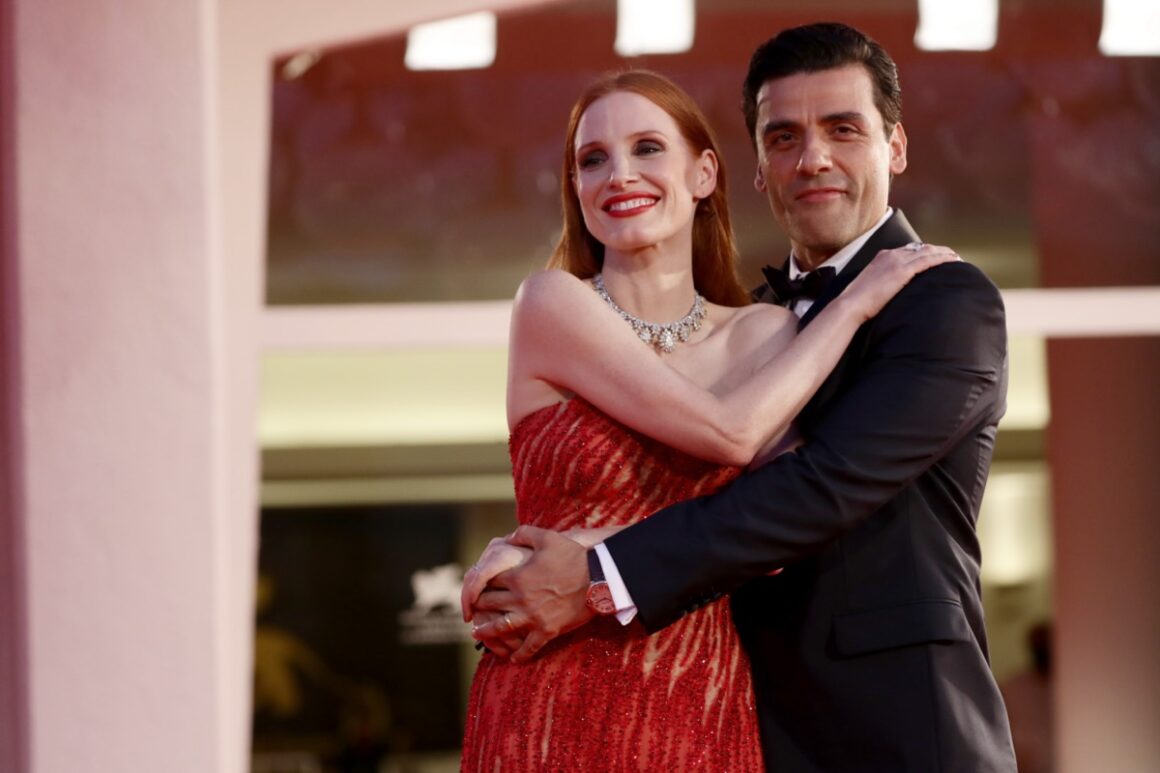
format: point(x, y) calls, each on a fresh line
point(662, 338)
point(667, 341)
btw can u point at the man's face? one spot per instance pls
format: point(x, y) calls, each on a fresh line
point(824, 158)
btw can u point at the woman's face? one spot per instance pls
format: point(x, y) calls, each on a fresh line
point(636, 178)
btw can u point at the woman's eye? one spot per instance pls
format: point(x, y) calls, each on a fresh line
point(591, 160)
point(648, 147)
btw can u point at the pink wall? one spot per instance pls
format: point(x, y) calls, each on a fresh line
point(134, 158)
point(1103, 444)
point(1096, 228)
point(116, 384)
point(132, 177)
point(13, 724)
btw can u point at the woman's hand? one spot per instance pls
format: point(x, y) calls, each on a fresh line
point(889, 272)
point(497, 557)
point(503, 645)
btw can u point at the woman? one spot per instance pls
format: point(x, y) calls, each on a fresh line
point(613, 418)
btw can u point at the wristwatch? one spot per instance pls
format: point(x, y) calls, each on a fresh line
point(599, 598)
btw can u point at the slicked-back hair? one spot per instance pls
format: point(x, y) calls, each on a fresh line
point(817, 47)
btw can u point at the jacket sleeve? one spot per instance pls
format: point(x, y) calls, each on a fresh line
point(928, 370)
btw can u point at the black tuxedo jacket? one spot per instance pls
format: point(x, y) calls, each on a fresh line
point(868, 651)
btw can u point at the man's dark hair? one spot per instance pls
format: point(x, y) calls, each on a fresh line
point(822, 46)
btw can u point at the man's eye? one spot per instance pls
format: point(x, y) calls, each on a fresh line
point(779, 139)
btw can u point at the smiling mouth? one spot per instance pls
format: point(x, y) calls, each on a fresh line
point(628, 206)
point(819, 194)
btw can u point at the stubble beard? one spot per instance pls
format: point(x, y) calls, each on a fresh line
point(815, 239)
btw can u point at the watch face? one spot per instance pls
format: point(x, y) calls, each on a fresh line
point(600, 599)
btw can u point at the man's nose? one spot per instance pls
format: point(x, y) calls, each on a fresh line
point(815, 157)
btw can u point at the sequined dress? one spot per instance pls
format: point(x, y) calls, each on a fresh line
point(608, 697)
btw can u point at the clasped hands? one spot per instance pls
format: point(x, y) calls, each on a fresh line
point(525, 590)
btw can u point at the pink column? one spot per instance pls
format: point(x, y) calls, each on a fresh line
point(1095, 228)
point(128, 530)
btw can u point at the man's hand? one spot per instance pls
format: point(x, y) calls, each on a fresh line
point(542, 597)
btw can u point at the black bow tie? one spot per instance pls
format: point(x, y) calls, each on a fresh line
point(809, 285)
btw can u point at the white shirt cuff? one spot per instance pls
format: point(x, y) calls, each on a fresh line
point(625, 608)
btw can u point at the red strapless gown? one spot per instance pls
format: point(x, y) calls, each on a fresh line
point(608, 697)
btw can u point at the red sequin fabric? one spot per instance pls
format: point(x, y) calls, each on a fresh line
point(608, 697)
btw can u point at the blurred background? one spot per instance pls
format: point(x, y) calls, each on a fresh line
point(256, 261)
point(396, 180)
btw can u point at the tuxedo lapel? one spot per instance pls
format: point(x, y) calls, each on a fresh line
point(895, 232)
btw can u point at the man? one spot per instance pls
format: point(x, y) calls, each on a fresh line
point(868, 650)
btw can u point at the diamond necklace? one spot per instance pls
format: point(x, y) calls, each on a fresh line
point(663, 338)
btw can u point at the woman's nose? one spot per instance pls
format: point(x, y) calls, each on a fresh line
point(621, 171)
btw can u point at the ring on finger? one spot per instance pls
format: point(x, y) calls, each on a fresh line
point(507, 618)
point(915, 246)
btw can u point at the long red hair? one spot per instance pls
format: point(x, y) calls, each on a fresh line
point(714, 246)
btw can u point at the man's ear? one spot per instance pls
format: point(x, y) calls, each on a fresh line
point(759, 181)
point(897, 143)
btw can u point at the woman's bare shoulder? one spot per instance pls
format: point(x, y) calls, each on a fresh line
point(549, 281)
point(754, 333)
point(756, 317)
point(553, 297)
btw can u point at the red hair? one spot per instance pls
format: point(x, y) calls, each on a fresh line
point(714, 247)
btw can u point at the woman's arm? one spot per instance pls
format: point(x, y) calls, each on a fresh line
point(564, 335)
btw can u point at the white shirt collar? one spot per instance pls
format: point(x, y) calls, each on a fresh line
point(843, 256)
